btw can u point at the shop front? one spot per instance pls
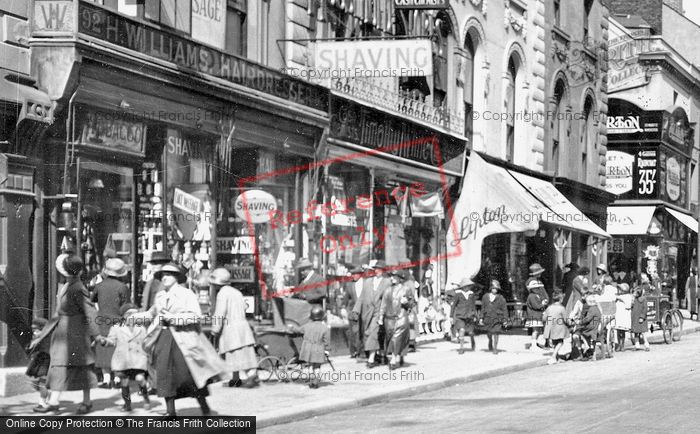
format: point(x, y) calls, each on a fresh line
point(648, 168)
point(149, 151)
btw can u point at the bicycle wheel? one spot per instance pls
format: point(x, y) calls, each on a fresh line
point(667, 326)
point(261, 351)
point(293, 368)
point(267, 368)
point(677, 325)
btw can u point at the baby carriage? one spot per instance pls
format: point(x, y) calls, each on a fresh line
point(607, 335)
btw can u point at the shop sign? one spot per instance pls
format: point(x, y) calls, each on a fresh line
point(677, 130)
point(421, 4)
point(646, 176)
point(255, 206)
point(234, 245)
point(249, 301)
point(186, 202)
point(386, 58)
point(619, 172)
point(673, 179)
point(616, 245)
point(53, 16)
point(114, 133)
point(191, 56)
point(373, 129)
point(242, 274)
point(209, 22)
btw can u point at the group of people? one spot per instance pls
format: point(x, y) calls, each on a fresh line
point(160, 345)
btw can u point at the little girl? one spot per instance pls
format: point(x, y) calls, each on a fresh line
point(129, 361)
point(39, 361)
point(316, 345)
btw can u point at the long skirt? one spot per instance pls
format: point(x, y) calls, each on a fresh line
point(173, 376)
point(397, 336)
point(62, 378)
point(103, 354)
point(241, 359)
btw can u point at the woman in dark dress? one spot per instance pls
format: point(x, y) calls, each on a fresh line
point(72, 356)
point(110, 295)
point(494, 312)
point(640, 325)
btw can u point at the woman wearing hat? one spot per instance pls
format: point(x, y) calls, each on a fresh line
point(393, 314)
point(237, 342)
point(72, 357)
point(185, 361)
point(494, 313)
point(110, 295)
point(464, 312)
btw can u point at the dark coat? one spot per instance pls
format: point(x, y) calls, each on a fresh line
point(153, 287)
point(71, 339)
point(464, 307)
point(110, 295)
point(367, 308)
point(590, 322)
point(535, 306)
point(494, 314)
point(315, 288)
point(639, 315)
point(351, 298)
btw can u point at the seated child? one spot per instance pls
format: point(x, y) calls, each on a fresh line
point(39, 359)
point(590, 324)
point(316, 344)
point(129, 361)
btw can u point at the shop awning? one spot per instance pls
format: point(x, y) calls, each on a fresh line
point(687, 220)
point(629, 220)
point(559, 212)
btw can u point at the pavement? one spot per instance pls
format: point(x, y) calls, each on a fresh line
point(436, 365)
point(636, 391)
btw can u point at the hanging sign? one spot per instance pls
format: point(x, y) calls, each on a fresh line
point(111, 132)
point(673, 178)
point(390, 58)
point(619, 172)
point(421, 4)
point(255, 206)
point(242, 274)
point(235, 245)
point(209, 22)
point(186, 202)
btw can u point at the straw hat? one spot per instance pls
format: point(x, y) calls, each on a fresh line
point(602, 267)
point(536, 269)
point(496, 284)
point(115, 267)
point(401, 274)
point(174, 268)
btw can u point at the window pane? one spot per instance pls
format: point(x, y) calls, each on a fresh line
point(167, 12)
point(128, 7)
point(234, 32)
point(152, 10)
point(183, 15)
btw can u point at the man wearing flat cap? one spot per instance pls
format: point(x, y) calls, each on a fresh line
point(368, 307)
point(312, 288)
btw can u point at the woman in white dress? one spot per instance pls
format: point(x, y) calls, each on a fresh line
point(623, 315)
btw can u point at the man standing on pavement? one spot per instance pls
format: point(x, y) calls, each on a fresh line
point(464, 312)
point(153, 285)
point(367, 310)
point(351, 288)
point(315, 289)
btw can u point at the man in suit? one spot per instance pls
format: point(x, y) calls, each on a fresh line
point(153, 286)
point(351, 297)
point(313, 287)
point(367, 310)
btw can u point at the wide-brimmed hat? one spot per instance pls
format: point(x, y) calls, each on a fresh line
point(401, 274)
point(377, 264)
point(534, 283)
point(536, 269)
point(173, 268)
point(159, 258)
point(115, 267)
point(304, 263)
point(495, 284)
point(624, 287)
point(59, 264)
point(464, 283)
point(220, 276)
point(602, 267)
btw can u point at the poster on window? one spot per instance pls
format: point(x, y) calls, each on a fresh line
point(209, 22)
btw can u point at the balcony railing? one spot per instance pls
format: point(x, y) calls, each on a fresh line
point(400, 103)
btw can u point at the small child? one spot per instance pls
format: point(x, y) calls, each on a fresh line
point(316, 345)
point(129, 361)
point(39, 360)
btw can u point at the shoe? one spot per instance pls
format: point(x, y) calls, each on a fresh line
point(371, 365)
point(46, 409)
point(353, 355)
point(527, 346)
point(401, 361)
point(646, 349)
point(84, 408)
point(551, 362)
point(249, 383)
point(460, 351)
point(495, 351)
point(234, 383)
point(126, 407)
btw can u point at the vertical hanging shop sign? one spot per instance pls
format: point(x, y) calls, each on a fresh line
point(209, 22)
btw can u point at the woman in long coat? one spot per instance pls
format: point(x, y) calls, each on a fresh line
point(236, 342)
point(185, 361)
point(110, 295)
point(393, 314)
point(72, 357)
point(367, 311)
point(494, 313)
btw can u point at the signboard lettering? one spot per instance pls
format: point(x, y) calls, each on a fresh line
point(623, 124)
point(186, 202)
point(132, 35)
point(619, 172)
point(399, 58)
point(114, 133)
point(646, 173)
point(209, 22)
point(53, 16)
point(421, 4)
point(242, 274)
point(234, 245)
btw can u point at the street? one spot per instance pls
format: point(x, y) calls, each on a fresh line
point(635, 391)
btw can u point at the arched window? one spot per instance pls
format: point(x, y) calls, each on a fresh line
point(588, 140)
point(475, 86)
point(469, 72)
point(558, 125)
point(510, 107)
